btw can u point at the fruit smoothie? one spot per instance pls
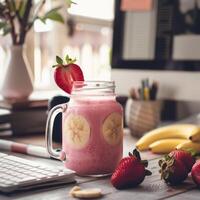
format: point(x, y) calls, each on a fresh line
point(92, 135)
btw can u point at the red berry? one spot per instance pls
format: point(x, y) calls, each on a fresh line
point(172, 170)
point(196, 173)
point(130, 172)
point(184, 156)
point(66, 74)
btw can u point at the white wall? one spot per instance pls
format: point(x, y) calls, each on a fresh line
point(173, 84)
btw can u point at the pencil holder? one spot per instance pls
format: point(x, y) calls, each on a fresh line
point(142, 116)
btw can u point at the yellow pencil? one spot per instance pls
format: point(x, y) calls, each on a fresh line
point(146, 93)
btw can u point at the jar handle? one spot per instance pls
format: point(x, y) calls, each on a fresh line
point(49, 131)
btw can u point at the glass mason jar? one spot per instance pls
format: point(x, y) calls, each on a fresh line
point(92, 129)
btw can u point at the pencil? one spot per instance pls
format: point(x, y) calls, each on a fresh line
point(32, 150)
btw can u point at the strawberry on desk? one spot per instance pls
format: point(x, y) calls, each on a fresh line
point(66, 73)
point(196, 173)
point(185, 157)
point(130, 172)
point(176, 166)
point(172, 170)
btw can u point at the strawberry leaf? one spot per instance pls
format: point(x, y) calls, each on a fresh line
point(66, 58)
point(136, 154)
point(166, 175)
point(69, 60)
point(160, 162)
point(191, 151)
point(130, 154)
point(148, 173)
point(144, 162)
point(59, 60)
point(164, 166)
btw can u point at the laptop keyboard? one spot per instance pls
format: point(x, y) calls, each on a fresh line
point(20, 174)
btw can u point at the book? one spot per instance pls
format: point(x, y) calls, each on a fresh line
point(23, 117)
point(5, 122)
point(23, 104)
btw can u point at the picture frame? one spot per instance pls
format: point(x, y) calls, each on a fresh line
point(159, 62)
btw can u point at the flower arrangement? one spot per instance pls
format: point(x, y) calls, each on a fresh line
point(18, 16)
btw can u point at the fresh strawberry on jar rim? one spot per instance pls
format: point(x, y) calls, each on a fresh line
point(66, 72)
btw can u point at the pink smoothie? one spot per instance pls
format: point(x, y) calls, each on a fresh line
point(97, 157)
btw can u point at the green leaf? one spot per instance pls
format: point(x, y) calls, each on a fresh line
point(52, 15)
point(52, 11)
point(59, 60)
point(6, 30)
point(56, 17)
point(42, 20)
point(69, 3)
point(2, 24)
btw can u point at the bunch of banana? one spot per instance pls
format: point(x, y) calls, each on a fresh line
point(189, 145)
point(167, 138)
point(165, 145)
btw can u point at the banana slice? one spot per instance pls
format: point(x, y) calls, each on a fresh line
point(87, 193)
point(76, 130)
point(113, 128)
point(74, 189)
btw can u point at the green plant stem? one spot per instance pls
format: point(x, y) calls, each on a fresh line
point(17, 16)
point(36, 14)
point(24, 22)
point(16, 11)
point(10, 18)
point(21, 16)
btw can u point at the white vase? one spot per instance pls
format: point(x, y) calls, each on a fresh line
point(18, 82)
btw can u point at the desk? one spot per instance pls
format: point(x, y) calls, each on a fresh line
point(152, 188)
